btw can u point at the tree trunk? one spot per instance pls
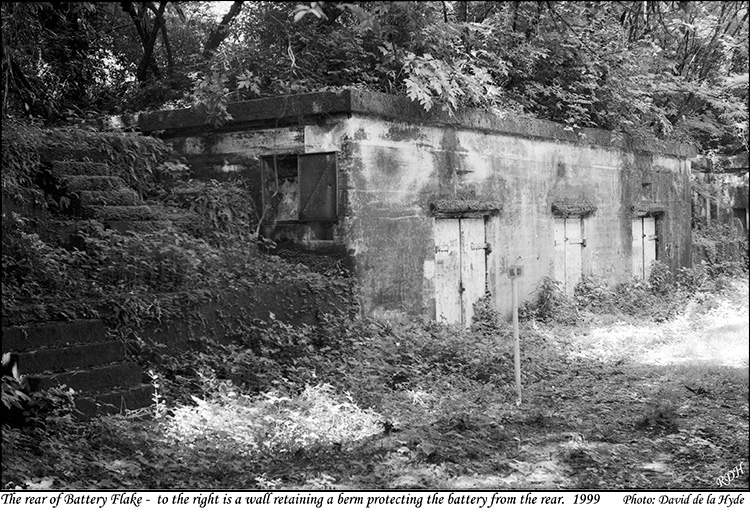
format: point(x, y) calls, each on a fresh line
point(168, 49)
point(147, 35)
point(148, 49)
point(217, 36)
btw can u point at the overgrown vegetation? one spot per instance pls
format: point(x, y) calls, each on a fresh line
point(660, 70)
point(365, 403)
point(660, 298)
point(353, 403)
point(640, 385)
point(362, 403)
point(139, 161)
point(68, 267)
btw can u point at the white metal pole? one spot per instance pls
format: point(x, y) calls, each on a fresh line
point(516, 344)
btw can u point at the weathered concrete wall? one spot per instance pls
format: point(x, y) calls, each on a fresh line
point(397, 169)
point(394, 161)
point(222, 318)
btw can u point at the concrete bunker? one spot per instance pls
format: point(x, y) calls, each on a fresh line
point(434, 209)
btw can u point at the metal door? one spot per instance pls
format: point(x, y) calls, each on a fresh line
point(574, 253)
point(460, 268)
point(638, 247)
point(560, 249)
point(447, 270)
point(317, 187)
point(644, 246)
point(569, 243)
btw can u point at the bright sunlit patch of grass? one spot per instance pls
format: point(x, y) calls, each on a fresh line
point(250, 426)
point(711, 329)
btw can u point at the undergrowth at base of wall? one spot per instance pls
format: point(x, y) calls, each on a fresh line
point(403, 403)
point(659, 298)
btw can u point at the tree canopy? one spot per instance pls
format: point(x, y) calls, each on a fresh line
point(669, 70)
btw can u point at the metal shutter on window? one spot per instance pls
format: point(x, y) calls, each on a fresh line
point(317, 187)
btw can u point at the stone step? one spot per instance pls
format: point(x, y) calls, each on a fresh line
point(79, 168)
point(107, 213)
point(141, 226)
point(52, 334)
point(116, 401)
point(71, 357)
point(121, 197)
point(51, 153)
point(95, 379)
point(93, 183)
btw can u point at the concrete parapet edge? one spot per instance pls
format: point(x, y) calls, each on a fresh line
point(313, 107)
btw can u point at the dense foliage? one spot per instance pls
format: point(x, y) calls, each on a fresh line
point(671, 70)
point(660, 298)
point(362, 402)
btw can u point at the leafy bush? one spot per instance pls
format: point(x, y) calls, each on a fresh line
point(692, 279)
point(486, 318)
point(654, 299)
point(33, 268)
point(22, 408)
point(723, 248)
point(660, 279)
point(362, 355)
point(270, 424)
point(20, 162)
point(550, 304)
point(638, 299)
point(223, 209)
point(593, 293)
point(111, 275)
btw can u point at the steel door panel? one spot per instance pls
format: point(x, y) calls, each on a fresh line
point(317, 187)
point(638, 247)
point(560, 249)
point(447, 270)
point(573, 254)
point(649, 244)
point(473, 261)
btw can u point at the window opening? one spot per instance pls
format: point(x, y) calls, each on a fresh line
point(300, 188)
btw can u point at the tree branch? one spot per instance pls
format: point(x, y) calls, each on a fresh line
point(148, 50)
point(583, 44)
point(217, 36)
point(129, 8)
point(490, 8)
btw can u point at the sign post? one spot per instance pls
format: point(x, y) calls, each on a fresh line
point(514, 272)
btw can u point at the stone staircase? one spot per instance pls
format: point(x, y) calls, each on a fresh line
point(78, 355)
point(101, 195)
